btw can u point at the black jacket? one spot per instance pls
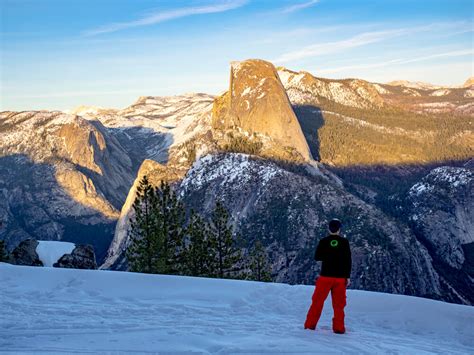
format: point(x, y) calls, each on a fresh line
point(335, 253)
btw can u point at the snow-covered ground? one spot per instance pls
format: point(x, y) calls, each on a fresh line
point(49, 310)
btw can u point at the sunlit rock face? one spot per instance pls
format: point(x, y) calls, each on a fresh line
point(155, 173)
point(62, 178)
point(257, 106)
point(302, 87)
point(66, 176)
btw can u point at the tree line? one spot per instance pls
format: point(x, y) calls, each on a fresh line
point(165, 239)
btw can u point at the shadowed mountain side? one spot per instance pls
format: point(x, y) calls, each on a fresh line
point(82, 174)
point(142, 143)
point(435, 200)
point(287, 205)
point(155, 173)
point(311, 120)
point(288, 209)
point(379, 182)
point(35, 205)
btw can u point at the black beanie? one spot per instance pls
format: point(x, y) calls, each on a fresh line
point(334, 225)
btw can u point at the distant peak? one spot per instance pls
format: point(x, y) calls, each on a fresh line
point(257, 104)
point(427, 86)
point(413, 84)
point(84, 109)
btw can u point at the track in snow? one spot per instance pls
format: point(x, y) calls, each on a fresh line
point(85, 311)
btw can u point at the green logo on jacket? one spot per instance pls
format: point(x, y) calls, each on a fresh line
point(334, 243)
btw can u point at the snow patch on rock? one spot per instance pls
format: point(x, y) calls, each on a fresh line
point(233, 169)
point(303, 88)
point(411, 92)
point(49, 252)
point(381, 89)
point(440, 92)
point(469, 93)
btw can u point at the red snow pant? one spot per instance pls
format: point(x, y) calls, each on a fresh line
point(324, 284)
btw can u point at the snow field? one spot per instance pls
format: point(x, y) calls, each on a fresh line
point(89, 311)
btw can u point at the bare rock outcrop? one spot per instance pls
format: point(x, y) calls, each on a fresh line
point(82, 257)
point(257, 106)
point(25, 254)
point(442, 210)
point(155, 173)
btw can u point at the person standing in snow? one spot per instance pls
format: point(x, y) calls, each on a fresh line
point(335, 253)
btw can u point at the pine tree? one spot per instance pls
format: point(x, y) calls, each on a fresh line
point(157, 231)
point(198, 254)
point(226, 255)
point(144, 249)
point(171, 231)
point(3, 251)
point(259, 264)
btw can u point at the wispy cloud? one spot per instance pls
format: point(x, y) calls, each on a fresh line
point(458, 53)
point(366, 38)
point(338, 46)
point(297, 7)
point(162, 16)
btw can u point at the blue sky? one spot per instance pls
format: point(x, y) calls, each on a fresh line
point(58, 54)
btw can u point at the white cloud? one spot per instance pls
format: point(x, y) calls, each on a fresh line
point(367, 38)
point(162, 16)
point(458, 53)
point(297, 7)
point(338, 46)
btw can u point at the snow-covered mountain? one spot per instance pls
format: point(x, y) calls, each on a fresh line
point(68, 311)
point(312, 148)
point(303, 88)
point(66, 176)
point(160, 124)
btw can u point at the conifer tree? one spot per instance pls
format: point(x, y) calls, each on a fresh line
point(157, 230)
point(3, 251)
point(143, 250)
point(171, 230)
point(259, 264)
point(198, 255)
point(222, 242)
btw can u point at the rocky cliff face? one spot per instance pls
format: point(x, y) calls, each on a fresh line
point(162, 125)
point(288, 209)
point(82, 257)
point(67, 176)
point(257, 106)
point(442, 209)
point(62, 178)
